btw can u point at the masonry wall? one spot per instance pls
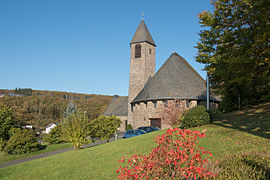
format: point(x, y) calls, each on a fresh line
point(144, 112)
point(123, 120)
point(140, 70)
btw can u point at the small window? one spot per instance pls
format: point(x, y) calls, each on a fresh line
point(165, 102)
point(138, 51)
point(188, 103)
point(155, 104)
point(177, 104)
point(131, 108)
point(150, 51)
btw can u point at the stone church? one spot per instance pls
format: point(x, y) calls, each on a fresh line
point(150, 91)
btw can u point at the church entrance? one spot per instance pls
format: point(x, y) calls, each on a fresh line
point(155, 122)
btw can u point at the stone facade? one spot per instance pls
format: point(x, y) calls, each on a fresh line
point(123, 123)
point(144, 112)
point(140, 71)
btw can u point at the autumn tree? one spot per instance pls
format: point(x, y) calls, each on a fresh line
point(172, 112)
point(234, 46)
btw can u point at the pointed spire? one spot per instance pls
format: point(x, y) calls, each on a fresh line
point(142, 34)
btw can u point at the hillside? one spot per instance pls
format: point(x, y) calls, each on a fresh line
point(240, 131)
point(43, 107)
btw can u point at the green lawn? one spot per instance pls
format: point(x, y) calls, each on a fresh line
point(4, 157)
point(242, 131)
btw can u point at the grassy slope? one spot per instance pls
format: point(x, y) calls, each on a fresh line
point(4, 157)
point(242, 131)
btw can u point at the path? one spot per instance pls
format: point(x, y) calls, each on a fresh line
point(30, 158)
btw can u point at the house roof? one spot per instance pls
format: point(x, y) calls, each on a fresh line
point(49, 125)
point(175, 79)
point(118, 107)
point(142, 34)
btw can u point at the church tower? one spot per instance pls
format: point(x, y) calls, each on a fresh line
point(142, 63)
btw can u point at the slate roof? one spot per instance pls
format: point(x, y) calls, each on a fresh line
point(142, 34)
point(118, 107)
point(175, 79)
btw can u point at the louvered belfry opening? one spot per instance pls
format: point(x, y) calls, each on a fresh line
point(138, 48)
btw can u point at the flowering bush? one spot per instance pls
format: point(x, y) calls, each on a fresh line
point(176, 156)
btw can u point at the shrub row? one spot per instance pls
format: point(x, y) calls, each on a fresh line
point(246, 166)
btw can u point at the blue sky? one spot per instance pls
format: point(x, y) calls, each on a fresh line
point(83, 45)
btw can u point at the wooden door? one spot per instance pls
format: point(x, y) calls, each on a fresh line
point(155, 122)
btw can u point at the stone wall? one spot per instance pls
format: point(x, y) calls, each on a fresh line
point(143, 112)
point(123, 120)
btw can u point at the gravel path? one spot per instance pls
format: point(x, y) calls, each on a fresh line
point(18, 161)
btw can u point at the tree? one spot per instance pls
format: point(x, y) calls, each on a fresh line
point(7, 121)
point(104, 127)
point(172, 112)
point(75, 129)
point(71, 108)
point(234, 46)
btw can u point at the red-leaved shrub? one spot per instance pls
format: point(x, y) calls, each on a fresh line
point(176, 156)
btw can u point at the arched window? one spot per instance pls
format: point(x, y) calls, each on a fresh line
point(137, 51)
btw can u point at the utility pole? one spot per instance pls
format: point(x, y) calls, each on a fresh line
point(208, 93)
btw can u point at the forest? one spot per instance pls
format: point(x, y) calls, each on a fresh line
point(39, 108)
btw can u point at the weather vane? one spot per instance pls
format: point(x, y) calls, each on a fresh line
point(142, 15)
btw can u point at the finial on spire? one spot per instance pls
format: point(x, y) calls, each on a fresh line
point(142, 15)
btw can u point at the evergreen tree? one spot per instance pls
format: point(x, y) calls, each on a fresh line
point(71, 109)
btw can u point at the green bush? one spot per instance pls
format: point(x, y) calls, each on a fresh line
point(129, 127)
point(21, 141)
point(104, 127)
point(2, 144)
point(215, 113)
point(245, 166)
point(55, 136)
point(195, 116)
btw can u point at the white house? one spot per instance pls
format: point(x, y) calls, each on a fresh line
point(28, 127)
point(50, 127)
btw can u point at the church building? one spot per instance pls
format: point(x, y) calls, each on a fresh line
point(151, 91)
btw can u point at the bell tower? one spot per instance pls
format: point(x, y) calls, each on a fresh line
point(142, 63)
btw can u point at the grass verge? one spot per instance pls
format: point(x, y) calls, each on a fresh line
point(4, 157)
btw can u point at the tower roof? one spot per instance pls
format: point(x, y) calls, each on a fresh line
point(175, 79)
point(142, 34)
